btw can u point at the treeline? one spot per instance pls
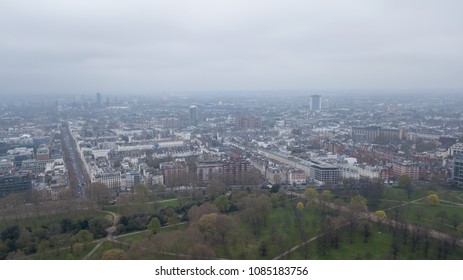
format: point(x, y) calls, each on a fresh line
point(49, 239)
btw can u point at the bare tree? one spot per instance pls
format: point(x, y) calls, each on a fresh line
point(98, 193)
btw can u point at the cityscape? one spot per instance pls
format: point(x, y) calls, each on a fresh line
point(121, 170)
point(256, 138)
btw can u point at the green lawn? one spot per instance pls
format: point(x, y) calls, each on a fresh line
point(377, 248)
point(428, 215)
point(138, 235)
point(149, 207)
point(280, 233)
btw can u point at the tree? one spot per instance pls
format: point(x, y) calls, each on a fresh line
point(311, 195)
point(254, 211)
point(172, 217)
point(83, 236)
point(405, 182)
point(208, 226)
point(3, 250)
point(441, 218)
point(113, 254)
point(460, 229)
point(26, 242)
point(226, 226)
point(357, 206)
point(419, 212)
point(154, 225)
point(433, 199)
point(456, 220)
point(298, 218)
point(275, 188)
point(78, 248)
point(97, 226)
point(222, 203)
point(380, 214)
point(195, 212)
point(183, 197)
point(358, 203)
point(214, 189)
point(282, 197)
point(98, 193)
point(201, 252)
point(141, 193)
point(372, 191)
point(325, 198)
point(366, 231)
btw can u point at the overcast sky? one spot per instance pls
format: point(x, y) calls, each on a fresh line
point(133, 46)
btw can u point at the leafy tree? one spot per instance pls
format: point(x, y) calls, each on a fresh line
point(113, 254)
point(11, 233)
point(83, 236)
point(208, 226)
point(66, 225)
point(275, 188)
point(300, 206)
point(433, 199)
point(97, 226)
point(124, 221)
point(9, 237)
point(154, 225)
point(222, 203)
point(196, 212)
point(380, 214)
point(311, 195)
point(26, 242)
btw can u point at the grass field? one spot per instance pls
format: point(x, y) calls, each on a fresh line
point(149, 207)
point(411, 214)
point(377, 248)
point(129, 238)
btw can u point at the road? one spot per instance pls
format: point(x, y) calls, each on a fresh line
point(70, 150)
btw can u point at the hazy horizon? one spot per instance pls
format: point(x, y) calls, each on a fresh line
point(53, 47)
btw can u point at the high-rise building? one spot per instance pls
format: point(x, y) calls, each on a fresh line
point(193, 115)
point(98, 99)
point(315, 102)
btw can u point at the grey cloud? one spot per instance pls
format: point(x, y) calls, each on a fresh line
point(144, 46)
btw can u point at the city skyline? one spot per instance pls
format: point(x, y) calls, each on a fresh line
point(117, 47)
